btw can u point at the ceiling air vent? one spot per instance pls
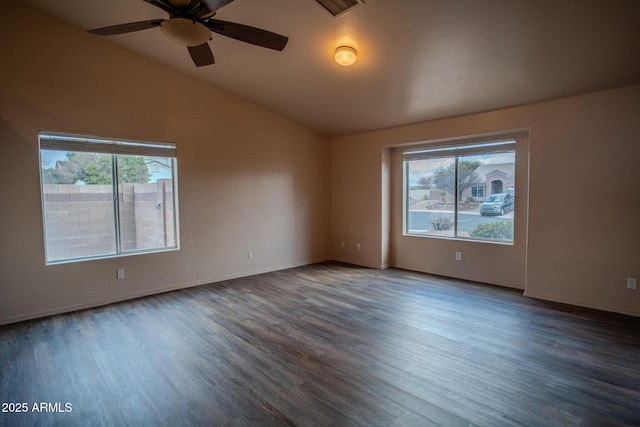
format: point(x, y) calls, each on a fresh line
point(337, 7)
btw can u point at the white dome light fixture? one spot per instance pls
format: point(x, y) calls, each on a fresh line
point(345, 55)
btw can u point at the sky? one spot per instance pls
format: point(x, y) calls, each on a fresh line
point(50, 157)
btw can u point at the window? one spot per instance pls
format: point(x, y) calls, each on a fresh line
point(477, 191)
point(100, 198)
point(445, 191)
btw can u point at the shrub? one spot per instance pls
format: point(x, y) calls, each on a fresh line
point(499, 230)
point(442, 222)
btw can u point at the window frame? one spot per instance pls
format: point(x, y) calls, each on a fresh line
point(67, 142)
point(455, 151)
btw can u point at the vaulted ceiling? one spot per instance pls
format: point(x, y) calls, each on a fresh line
point(418, 60)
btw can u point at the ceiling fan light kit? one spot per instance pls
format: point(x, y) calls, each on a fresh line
point(191, 23)
point(345, 55)
point(185, 32)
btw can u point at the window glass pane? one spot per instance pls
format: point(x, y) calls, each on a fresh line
point(119, 199)
point(467, 193)
point(486, 189)
point(78, 211)
point(146, 202)
point(431, 196)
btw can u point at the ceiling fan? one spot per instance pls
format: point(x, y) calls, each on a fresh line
point(190, 24)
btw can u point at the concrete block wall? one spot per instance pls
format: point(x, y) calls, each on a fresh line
point(80, 222)
point(153, 207)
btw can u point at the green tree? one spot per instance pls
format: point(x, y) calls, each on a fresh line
point(132, 170)
point(96, 172)
point(424, 183)
point(49, 176)
point(467, 175)
point(444, 177)
point(96, 168)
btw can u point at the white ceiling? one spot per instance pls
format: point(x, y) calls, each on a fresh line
point(418, 60)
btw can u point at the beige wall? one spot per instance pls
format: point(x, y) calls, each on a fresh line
point(576, 246)
point(248, 178)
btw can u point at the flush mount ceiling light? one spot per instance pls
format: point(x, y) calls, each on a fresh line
point(345, 55)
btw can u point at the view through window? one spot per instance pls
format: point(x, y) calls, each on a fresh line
point(104, 198)
point(462, 191)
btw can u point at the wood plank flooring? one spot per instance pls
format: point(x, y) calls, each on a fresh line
point(326, 345)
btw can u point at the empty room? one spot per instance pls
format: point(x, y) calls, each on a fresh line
point(320, 213)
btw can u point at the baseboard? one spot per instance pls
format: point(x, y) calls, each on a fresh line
point(577, 303)
point(360, 263)
point(463, 277)
point(174, 287)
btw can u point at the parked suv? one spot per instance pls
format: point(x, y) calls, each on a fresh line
point(497, 204)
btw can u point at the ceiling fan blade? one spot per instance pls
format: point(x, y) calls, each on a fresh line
point(126, 28)
point(201, 55)
point(248, 34)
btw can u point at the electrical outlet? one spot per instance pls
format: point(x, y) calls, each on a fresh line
point(632, 283)
point(120, 273)
point(250, 254)
point(458, 256)
point(342, 243)
point(358, 246)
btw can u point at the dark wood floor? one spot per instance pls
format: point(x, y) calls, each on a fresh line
point(326, 344)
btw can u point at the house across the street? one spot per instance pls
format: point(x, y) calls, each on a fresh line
point(494, 178)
